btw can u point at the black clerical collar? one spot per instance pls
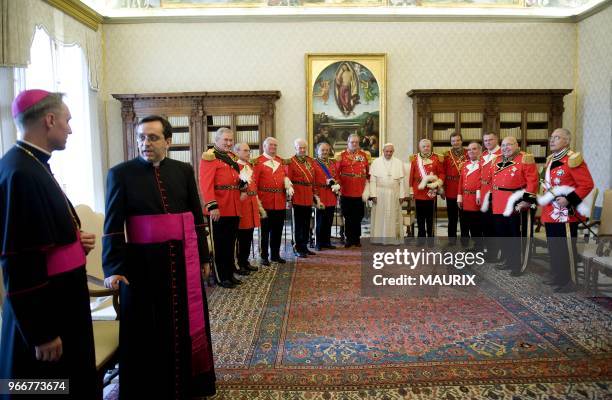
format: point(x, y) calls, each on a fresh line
point(560, 154)
point(423, 155)
point(42, 155)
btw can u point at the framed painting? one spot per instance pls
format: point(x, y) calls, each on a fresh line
point(346, 94)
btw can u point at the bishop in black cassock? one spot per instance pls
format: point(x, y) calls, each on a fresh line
point(44, 300)
point(157, 359)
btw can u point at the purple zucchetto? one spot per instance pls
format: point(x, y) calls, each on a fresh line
point(27, 99)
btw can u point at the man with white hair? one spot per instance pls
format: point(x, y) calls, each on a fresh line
point(387, 192)
point(221, 183)
point(273, 187)
point(426, 179)
point(302, 175)
point(353, 170)
point(567, 182)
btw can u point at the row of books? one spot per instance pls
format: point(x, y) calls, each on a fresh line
point(537, 134)
point(247, 119)
point(440, 149)
point(537, 117)
point(515, 132)
point(178, 120)
point(537, 150)
point(471, 133)
point(442, 134)
point(180, 137)
point(510, 117)
point(247, 136)
point(180, 155)
point(444, 117)
point(471, 117)
point(221, 120)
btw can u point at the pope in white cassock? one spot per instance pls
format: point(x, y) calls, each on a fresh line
point(387, 192)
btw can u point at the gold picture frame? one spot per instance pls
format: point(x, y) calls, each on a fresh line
point(346, 93)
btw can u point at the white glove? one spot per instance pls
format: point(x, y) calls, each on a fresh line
point(246, 174)
point(336, 189)
point(288, 187)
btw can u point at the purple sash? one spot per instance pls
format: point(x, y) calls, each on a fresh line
point(160, 228)
point(66, 258)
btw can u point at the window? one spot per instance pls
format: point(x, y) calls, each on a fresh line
point(58, 67)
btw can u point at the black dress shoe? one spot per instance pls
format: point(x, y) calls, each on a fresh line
point(319, 248)
point(243, 272)
point(516, 273)
point(278, 260)
point(227, 284)
point(265, 262)
point(310, 253)
point(250, 267)
point(551, 283)
point(328, 246)
point(357, 245)
point(235, 281)
point(348, 245)
point(502, 267)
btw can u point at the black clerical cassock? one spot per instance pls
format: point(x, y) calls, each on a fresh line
point(45, 280)
point(161, 356)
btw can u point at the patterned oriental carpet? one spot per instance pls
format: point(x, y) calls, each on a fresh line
point(303, 331)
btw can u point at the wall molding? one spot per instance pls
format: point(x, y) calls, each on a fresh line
point(79, 11)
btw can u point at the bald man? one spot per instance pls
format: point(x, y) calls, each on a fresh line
point(567, 182)
point(301, 173)
point(514, 184)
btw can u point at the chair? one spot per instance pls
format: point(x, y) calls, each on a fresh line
point(105, 307)
point(601, 249)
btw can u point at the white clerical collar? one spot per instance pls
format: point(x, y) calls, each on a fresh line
point(242, 162)
point(157, 164)
point(36, 147)
point(269, 157)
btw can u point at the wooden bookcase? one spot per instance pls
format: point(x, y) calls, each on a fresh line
point(529, 115)
point(195, 116)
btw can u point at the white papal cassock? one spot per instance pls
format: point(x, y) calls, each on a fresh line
point(387, 185)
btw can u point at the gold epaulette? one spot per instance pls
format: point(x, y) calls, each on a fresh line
point(528, 158)
point(411, 157)
point(549, 157)
point(575, 159)
point(368, 155)
point(209, 155)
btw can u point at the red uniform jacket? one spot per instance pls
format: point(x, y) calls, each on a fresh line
point(249, 216)
point(353, 172)
point(219, 184)
point(270, 184)
point(302, 175)
point(486, 162)
point(452, 171)
point(568, 176)
point(469, 185)
point(433, 168)
point(322, 189)
point(510, 179)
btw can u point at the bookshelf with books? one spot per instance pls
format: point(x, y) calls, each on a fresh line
point(195, 116)
point(528, 115)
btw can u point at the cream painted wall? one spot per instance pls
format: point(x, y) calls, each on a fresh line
point(260, 56)
point(595, 95)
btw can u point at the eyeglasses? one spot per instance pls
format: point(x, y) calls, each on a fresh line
point(152, 138)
